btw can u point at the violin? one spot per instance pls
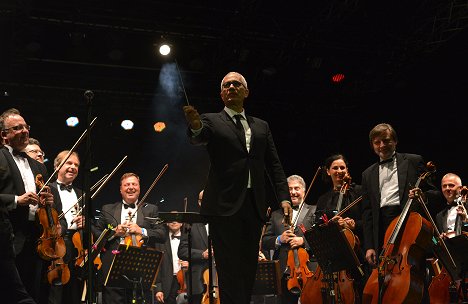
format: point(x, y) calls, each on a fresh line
point(133, 239)
point(182, 292)
point(206, 282)
point(50, 245)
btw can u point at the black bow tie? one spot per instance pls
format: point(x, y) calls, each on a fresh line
point(20, 153)
point(452, 204)
point(386, 161)
point(296, 207)
point(132, 206)
point(175, 237)
point(66, 187)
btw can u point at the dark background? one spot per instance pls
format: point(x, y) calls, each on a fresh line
point(404, 63)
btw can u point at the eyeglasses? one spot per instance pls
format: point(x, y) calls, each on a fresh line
point(36, 152)
point(18, 128)
point(235, 83)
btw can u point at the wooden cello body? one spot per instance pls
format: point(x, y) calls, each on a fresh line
point(401, 265)
point(317, 290)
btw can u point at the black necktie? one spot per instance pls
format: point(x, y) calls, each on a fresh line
point(132, 206)
point(386, 161)
point(175, 237)
point(66, 187)
point(239, 125)
point(20, 153)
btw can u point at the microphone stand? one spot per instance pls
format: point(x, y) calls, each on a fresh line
point(89, 95)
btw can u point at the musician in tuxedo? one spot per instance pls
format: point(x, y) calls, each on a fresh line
point(199, 254)
point(281, 239)
point(242, 153)
point(127, 217)
point(33, 149)
point(19, 203)
point(66, 196)
point(167, 285)
point(386, 185)
point(453, 218)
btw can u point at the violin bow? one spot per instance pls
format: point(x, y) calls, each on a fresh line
point(140, 203)
point(91, 125)
point(294, 222)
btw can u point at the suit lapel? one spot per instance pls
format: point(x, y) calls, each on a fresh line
point(402, 165)
point(17, 180)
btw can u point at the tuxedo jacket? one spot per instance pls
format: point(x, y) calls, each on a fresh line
point(410, 167)
point(11, 185)
point(58, 203)
point(230, 164)
point(276, 228)
point(165, 274)
point(199, 244)
point(111, 215)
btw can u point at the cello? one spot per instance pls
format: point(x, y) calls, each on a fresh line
point(399, 277)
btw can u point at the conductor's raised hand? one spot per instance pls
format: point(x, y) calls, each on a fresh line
point(192, 117)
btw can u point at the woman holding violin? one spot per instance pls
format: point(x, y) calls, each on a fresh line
point(65, 198)
point(342, 193)
point(284, 240)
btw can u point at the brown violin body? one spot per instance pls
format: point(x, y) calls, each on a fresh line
point(58, 273)
point(77, 240)
point(206, 282)
point(299, 271)
point(317, 290)
point(440, 285)
point(401, 264)
point(50, 245)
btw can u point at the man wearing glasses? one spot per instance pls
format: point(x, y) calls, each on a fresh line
point(18, 204)
point(33, 149)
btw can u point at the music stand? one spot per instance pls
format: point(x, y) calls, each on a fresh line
point(267, 278)
point(134, 266)
point(332, 250)
point(187, 218)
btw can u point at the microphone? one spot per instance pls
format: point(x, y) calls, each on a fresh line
point(88, 94)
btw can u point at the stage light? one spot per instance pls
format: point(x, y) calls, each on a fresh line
point(159, 126)
point(164, 49)
point(72, 121)
point(338, 77)
point(127, 124)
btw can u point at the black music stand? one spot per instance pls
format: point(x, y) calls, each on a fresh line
point(267, 278)
point(134, 267)
point(458, 245)
point(332, 250)
point(187, 218)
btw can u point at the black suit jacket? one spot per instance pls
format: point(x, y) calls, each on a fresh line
point(226, 187)
point(276, 228)
point(58, 203)
point(11, 185)
point(410, 167)
point(165, 274)
point(111, 213)
point(199, 245)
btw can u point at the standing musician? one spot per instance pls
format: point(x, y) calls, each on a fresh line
point(33, 149)
point(242, 153)
point(118, 215)
point(19, 203)
point(280, 238)
point(199, 254)
point(385, 187)
point(172, 270)
point(342, 194)
point(65, 197)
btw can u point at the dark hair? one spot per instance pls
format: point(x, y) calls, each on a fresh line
point(380, 129)
point(327, 164)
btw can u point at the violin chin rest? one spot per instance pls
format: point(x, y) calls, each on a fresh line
point(295, 291)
